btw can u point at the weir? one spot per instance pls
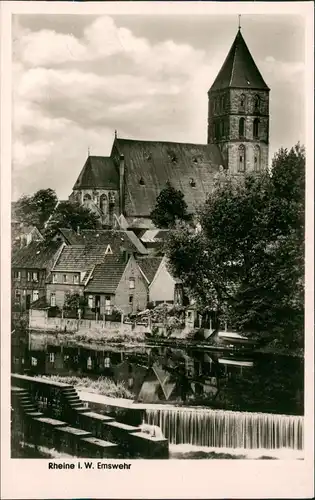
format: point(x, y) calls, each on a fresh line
point(228, 429)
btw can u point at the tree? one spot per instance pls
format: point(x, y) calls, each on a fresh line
point(71, 215)
point(170, 207)
point(75, 301)
point(247, 262)
point(36, 209)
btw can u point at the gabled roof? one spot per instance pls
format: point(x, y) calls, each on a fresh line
point(79, 258)
point(36, 255)
point(116, 238)
point(106, 276)
point(149, 266)
point(99, 172)
point(150, 164)
point(239, 69)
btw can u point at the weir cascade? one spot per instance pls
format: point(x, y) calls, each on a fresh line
point(228, 429)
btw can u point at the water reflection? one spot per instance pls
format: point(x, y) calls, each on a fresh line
point(245, 382)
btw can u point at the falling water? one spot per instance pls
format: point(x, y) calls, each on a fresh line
point(228, 429)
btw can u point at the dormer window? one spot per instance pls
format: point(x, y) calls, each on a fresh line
point(148, 157)
point(108, 250)
point(173, 157)
point(192, 182)
point(195, 160)
point(141, 181)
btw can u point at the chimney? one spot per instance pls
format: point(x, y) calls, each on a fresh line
point(121, 183)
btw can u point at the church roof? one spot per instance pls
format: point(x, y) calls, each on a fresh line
point(239, 69)
point(150, 164)
point(99, 172)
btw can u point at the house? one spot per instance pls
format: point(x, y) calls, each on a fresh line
point(116, 283)
point(128, 182)
point(113, 239)
point(31, 265)
point(71, 271)
point(163, 287)
point(104, 278)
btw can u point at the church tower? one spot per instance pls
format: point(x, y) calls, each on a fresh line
point(238, 113)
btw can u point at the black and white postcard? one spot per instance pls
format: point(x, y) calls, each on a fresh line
point(156, 249)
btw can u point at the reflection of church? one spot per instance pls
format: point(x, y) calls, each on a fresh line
point(127, 183)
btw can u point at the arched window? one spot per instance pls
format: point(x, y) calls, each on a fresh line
point(104, 204)
point(86, 199)
point(96, 198)
point(221, 130)
point(241, 127)
point(256, 103)
point(242, 102)
point(241, 158)
point(256, 128)
point(257, 159)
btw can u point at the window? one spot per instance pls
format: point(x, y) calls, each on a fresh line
point(35, 295)
point(141, 181)
point(241, 127)
point(76, 279)
point(107, 304)
point(256, 128)
point(242, 102)
point(107, 362)
point(17, 275)
point(53, 300)
point(130, 299)
point(51, 357)
point(86, 199)
point(29, 275)
point(104, 204)
point(18, 295)
point(54, 278)
point(192, 182)
point(131, 283)
point(257, 159)
point(222, 103)
point(257, 103)
point(89, 363)
point(241, 158)
point(65, 278)
point(90, 301)
point(34, 361)
point(35, 277)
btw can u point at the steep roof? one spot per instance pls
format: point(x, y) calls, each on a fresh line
point(116, 238)
point(150, 164)
point(79, 258)
point(106, 276)
point(99, 172)
point(36, 255)
point(239, 69)
point(149, 266)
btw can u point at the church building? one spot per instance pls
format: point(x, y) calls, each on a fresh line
point(122, 188)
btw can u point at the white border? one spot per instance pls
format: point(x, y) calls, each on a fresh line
point(151, 479)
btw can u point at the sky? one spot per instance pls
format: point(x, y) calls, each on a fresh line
point(78, 78)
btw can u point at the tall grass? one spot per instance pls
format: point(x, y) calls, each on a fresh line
point(103, 385)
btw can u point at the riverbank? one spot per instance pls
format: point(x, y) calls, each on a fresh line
point(100, 340)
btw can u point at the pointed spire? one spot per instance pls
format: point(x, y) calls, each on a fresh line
point(239, 69)
point(239, 22)
point(115, 134)
point(89, 151)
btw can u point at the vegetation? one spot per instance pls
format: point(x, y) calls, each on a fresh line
point(170, 207)
point(42, 211)
point(36, 209)
point(247, 261)
point(103, 385)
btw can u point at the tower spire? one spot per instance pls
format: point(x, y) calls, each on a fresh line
point(239, 22)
